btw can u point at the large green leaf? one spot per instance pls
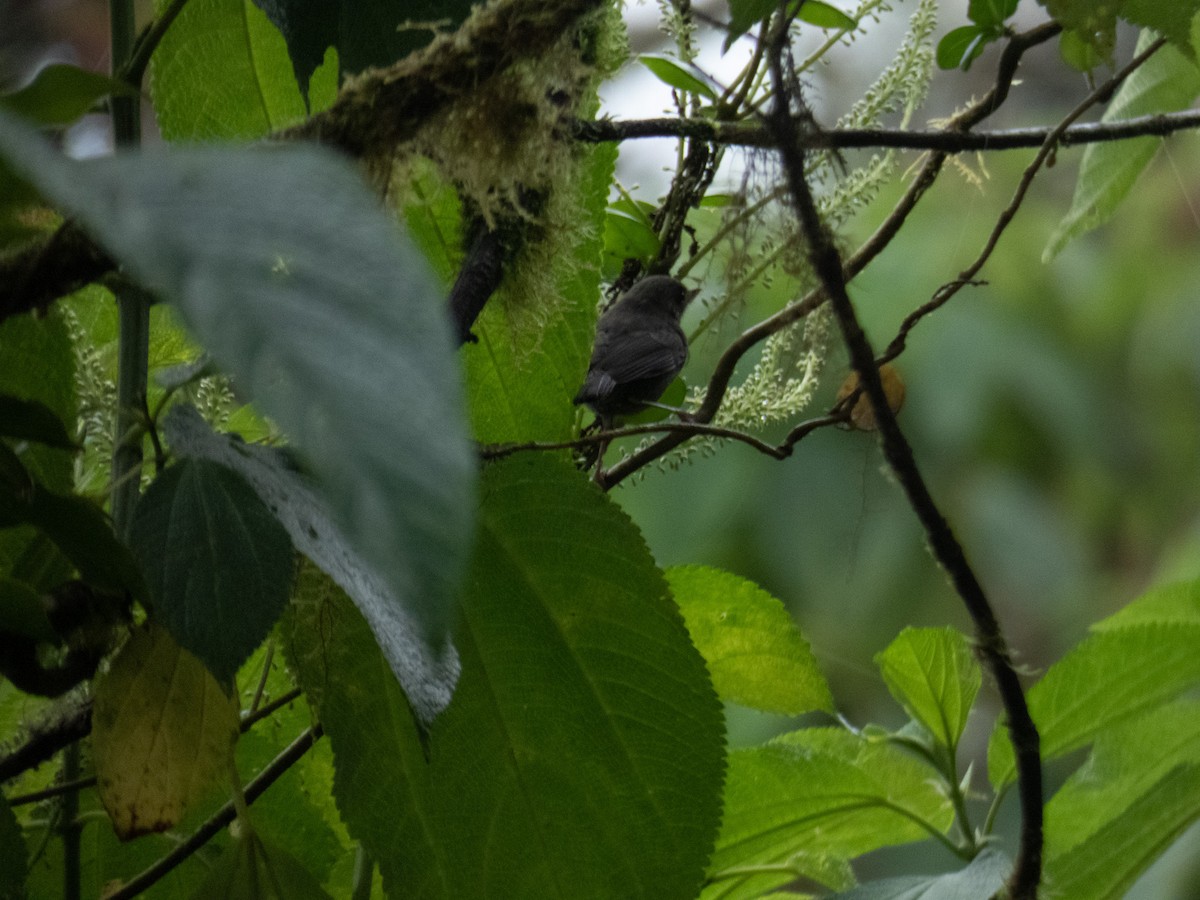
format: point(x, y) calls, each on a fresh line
point(814, 793)
point(282, 264)
point(218, 566)
point(1167, 82)
point(427, 679)
point(754, 650)
point(222, 71)
point(1127, 802)
point(933, 674)
point(364, 32)
point(1134, 661)
point(520, 391)
point(581, 756)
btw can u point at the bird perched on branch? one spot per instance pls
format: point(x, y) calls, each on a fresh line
point(639, 349)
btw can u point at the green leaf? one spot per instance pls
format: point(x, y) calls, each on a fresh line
point(218, 566)
point(991, 12)
point(933, 674)
point(1084, 51)
point(823, 791)
point(1177, 603)
point(283, 265)
point(744, 15)
point(364, 32)
point(31, 420)
point(80, 530)
point(823, 15)
point(961, 47)
point(38, 364)
point(1127, 767)
point(626, 237)
point(676, 74)
point(60, 94)
point(1167, 82)
point(427, 678)
point(251, 869)
point(1173, 20)
point(584, 730)
point(1112, 675)
point(983, 877)
point(754, 650)
point(222, 71)
point(13, 864)
point(162, 728)
point(518, 393)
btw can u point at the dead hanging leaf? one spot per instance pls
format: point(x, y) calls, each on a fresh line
point(161, 729)
point(862, 416)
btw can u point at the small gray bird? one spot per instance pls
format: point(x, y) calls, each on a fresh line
point(639, 349)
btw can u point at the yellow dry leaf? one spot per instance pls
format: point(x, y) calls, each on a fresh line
point(862, 416)
point(161, 728)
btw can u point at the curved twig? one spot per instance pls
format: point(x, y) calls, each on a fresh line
point(827, 263)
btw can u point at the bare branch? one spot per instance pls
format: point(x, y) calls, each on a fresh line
point(943, 140)
point(827, 263)
point(967, 275)
point(288, 757)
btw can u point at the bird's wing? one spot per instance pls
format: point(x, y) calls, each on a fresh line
point(636, 355)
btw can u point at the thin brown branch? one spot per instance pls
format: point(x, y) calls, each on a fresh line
point(685, 428)
point(1050, 144)
point(943, 140)
point(47, 738)
point(288, 757)
point(718, 383)
point(827, 264)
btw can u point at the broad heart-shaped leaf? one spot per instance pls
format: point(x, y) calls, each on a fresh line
point(427, 678)
point(1133, 662)
point(755, 652)
point(252, 869)
point(1106, 865)
point(822, 791)
point(982, 878)
point(161, 728)
point(1167, 82)
point(283, 265)
point(364, 32)
point(933, 674)
point(218, 565)
point(222, 72)
point(581, 756)
point(1138, 790)
point(521, 381)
